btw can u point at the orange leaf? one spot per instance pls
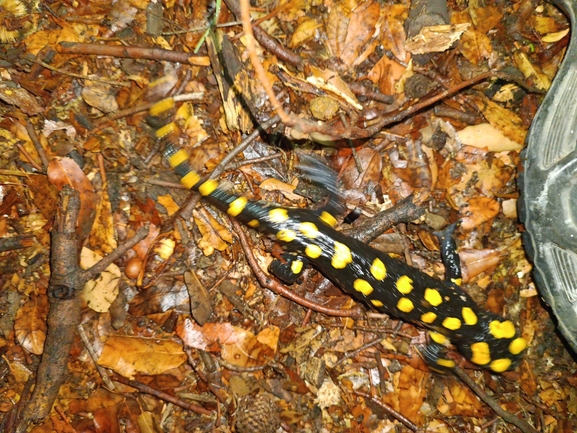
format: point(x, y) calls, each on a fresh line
point(478, 211)
point(133, 355)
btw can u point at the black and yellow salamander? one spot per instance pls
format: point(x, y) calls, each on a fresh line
point(385, 284)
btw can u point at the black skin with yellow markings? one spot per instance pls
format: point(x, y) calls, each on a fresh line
point(370, 276)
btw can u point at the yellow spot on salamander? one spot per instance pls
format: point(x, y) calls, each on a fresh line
point(254, 224)
point(208, 187)
point(457, 281)
point(190, 179)
point(376, 303)
point(162, 107)
point(517, 345)
point(297, 267)
point(328, 219)
point(310, 230)
point(404, 285)
point(278, 215)
point(439, 338)
point(433, 297)
point(500, 365)
point(378, 270)
point(169, 128)
point(447, 363)
point(469, 316)
point(237, 206)
point(313, 251)
point(363, 287)
point(178, 158)
point(405, 305)
point(452, 323)
point(286, 235)
point(504, 329)
point(428, 317)
point(481, 353)
point(342, 256)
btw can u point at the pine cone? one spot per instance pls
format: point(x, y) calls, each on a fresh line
point(258, 414)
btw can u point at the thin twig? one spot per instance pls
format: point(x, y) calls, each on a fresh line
point(507, 416)
point(39, 149)
point(163, 396)
point(388, 409)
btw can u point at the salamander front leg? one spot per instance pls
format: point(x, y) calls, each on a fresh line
point(289, 267)
point(449, 254)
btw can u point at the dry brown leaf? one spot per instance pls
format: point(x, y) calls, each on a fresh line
point(128, 356)
point(254, 350)
point(337, 23)
point(474, 45)
point(102, 237)
point(393, 34)
point(286, 189)
point(435, 39)
point(200, 299)
point(409, 393)
point(304, 32)
point(371, 163)
point(485, 18)
point(214, 235)
point(506, 121)
point(544, 25)
point(238, 346)
point(100, 95)
point(30, 323)
point(477, 211)
point(20, 98)
point(44, 194)
point(293, 10)
point(386, 73)
point(361, 29)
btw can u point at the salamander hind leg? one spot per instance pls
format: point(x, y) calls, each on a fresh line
point(435, 353)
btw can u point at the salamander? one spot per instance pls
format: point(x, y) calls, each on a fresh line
point(368, 275)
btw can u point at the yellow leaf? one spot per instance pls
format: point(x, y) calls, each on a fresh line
point(100, 292)
point(486, 136)
point(506, 121)
point(168, 203)
point(304, 32)
point(540, 80)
